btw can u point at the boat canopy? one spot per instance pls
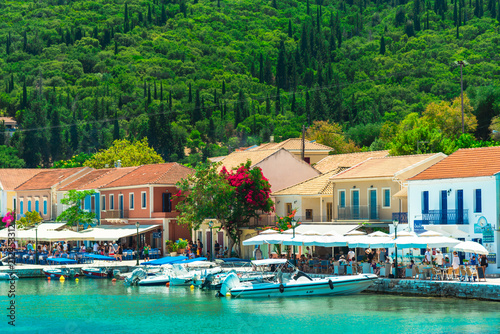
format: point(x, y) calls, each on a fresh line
point(100, 257)
point(268, 262)
point(61, 260)
point(165, 260)
point(234, 259)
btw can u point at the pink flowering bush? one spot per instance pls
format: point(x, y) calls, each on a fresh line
point(8, 219)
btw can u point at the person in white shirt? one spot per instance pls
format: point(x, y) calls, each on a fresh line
point(65, 247)
point(96, 247)
point(455, 262)
point(439, 258)
point(350, 255)
point(428, 257)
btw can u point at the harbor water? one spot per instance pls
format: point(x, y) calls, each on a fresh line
point(101, 306)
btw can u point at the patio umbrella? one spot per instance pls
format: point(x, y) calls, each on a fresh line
point(356, 232)
point(471, 247)
point(378, 234)
point(430, 234)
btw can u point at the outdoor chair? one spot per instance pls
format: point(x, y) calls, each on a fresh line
point(349, 270)
point(316, 266)
point(324, 266)
point(449, 273)
point(31, 259)
point(463, 273)
point(470, 274)
point(311, 265)
point(408, 273)
point(435, 274)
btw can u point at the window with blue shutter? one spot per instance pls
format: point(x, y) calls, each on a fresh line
point(29, 206)
point(37, 206)
point(425, 201)
point(387, 198)
point(342, 199)
point(21, 206)
point(44, 206)
point(144, 203)
point(477, 201)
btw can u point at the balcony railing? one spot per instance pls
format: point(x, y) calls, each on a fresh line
point(114, 214)
point(270, 220)
point(355, 212)
point(443, 217)
point(401, 217)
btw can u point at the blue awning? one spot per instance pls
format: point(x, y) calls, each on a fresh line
point(100, 257)
point(193, 260)
point(165, 260)
point(234, 259)
point(61, 260)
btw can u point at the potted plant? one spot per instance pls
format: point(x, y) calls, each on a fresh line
point(172, 247)
point(181, 245)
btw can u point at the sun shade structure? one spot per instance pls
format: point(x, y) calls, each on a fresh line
point(471, 247)
point(105, 233)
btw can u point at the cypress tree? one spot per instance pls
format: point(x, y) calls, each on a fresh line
point(190, 94)
point(116, 47)
point(261, 69)
point(278, 101)
point(274, 4)
point(56, 136)
point(218, 3)
point(293, 105)
point(223, 87)
point(161, 90)
point(150, 18)
point(145, 90)
point(268, 105)
point(481, 8)
point(382, 45)
point(126, 25)
point(290, 32)
point(498, 12)
point(7, 47)
point(116, 127)
point(149, 95)
point(237, 115)
point(24, 101)
point(493, 10)
point(197, 116)
point(73, 132)
point(155, 96)
point(308, 9)
point(455, 13)
point(476, 9)
point(170, 100)
point(281, 67)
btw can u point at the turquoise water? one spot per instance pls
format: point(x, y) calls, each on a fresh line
point(100, 306)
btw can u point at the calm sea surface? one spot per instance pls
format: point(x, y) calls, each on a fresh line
point(100, 306)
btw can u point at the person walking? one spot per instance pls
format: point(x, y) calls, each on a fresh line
point(484, 264)
point(119, 252)
point(146, 252)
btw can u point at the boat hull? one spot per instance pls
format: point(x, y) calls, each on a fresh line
point(324, 287)
point(58, 274)
point(154, 281)
point(94, 273)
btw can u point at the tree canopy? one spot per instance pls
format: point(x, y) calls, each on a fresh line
point(74, 214)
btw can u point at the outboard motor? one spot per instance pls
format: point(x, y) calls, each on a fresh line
point(136, 276)
point(110, 273)
point(208, 281)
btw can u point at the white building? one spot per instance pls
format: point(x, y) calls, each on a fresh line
point(460, 197)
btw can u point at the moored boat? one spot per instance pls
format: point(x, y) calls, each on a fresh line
point(58, 272)
point(8, 277)
point(97, 272)
point(295, 284)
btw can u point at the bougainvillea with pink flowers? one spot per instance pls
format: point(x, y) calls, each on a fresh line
point(232, 197)
point(8, 219)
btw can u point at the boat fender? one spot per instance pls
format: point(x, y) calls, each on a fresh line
point(330, 283)
point(282, 288)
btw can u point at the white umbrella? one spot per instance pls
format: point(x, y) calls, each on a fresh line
point(404, 234)
point(378, 234)
point(356, 232)
point(471, 247)
point(430, 234)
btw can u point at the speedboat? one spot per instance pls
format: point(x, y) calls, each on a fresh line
point(161, 278)
point(97, 272)
point(8, 277)
point(295, 284)
point(181, 276)
point(58, 272)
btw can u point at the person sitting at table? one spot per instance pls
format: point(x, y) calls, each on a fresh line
point(439, 258)
point(376, 270)
point(411, 265)
point(473, 261)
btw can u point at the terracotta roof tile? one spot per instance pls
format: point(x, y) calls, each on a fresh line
point(11, 178)
point(320, 184)
point(48, 178)
point(235, 159)
point(381, 167)
point(468, 162)
point(293, 144)
point(98, 178)
point(335, 161)
point(167, 173)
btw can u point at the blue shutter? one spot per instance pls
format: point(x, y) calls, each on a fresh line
point(37, 206)
point(478, 201)
point(44, 207)
point(144, 200)
point(22, 207)
point(425, 202)
point(29, 206)
point(460, 206)
point(342, 199)
point(387, 198)
point(104, 202)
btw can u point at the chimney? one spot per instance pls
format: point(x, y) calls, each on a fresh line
point(271, 139)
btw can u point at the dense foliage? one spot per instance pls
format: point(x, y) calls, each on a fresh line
point(211, 75)
point(75, 214)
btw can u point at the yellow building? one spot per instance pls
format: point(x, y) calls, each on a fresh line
point(10, 179)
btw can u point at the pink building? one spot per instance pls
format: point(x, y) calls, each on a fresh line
point(146, 195)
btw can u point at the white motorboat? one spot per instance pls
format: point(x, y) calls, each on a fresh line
point(295, 284)
point(8, 277)
point(160, 278)
point(181, 276)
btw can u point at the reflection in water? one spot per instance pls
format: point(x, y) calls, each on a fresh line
point(103, 306)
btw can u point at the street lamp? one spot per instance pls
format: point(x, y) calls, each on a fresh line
point(137, 244)
point(395, 224)
point(294, 225)
point(36, 243)
point(211, 224)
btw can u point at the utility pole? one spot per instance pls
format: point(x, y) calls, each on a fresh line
point(461, 63)
point(303, 142)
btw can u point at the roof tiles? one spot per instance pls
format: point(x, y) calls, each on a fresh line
point(235, 159)
point(317, 185)
point(11, 178)
point(293, 144)
point(468, 162)
point(167, 173)
point(335, 161)
point(48, 178)
point(98, 178)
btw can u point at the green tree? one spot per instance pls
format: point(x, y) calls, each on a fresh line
point(74, 214)
point(233, 198)
point(129, 153)
point(30, 219)
point(9, 158)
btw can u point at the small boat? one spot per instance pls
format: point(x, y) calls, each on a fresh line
point(161, 278)
point(181, 276)
point(295, 284)
point(97, 272)
point(8, 277)
point(58, 272)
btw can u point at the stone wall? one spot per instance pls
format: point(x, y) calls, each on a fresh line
point(436, 289)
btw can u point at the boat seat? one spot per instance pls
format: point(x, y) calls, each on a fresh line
point(301, 274)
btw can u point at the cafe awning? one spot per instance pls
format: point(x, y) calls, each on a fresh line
point(403, 193)
point(111, 233)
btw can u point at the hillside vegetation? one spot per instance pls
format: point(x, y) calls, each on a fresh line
point(213, 75)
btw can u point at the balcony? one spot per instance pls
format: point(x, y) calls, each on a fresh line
point(358, 212)
point(401, 217)
point(160, 214)
point(114, 214)
point(444, 217)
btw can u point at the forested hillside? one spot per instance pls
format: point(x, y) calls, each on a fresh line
point(213, 75)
